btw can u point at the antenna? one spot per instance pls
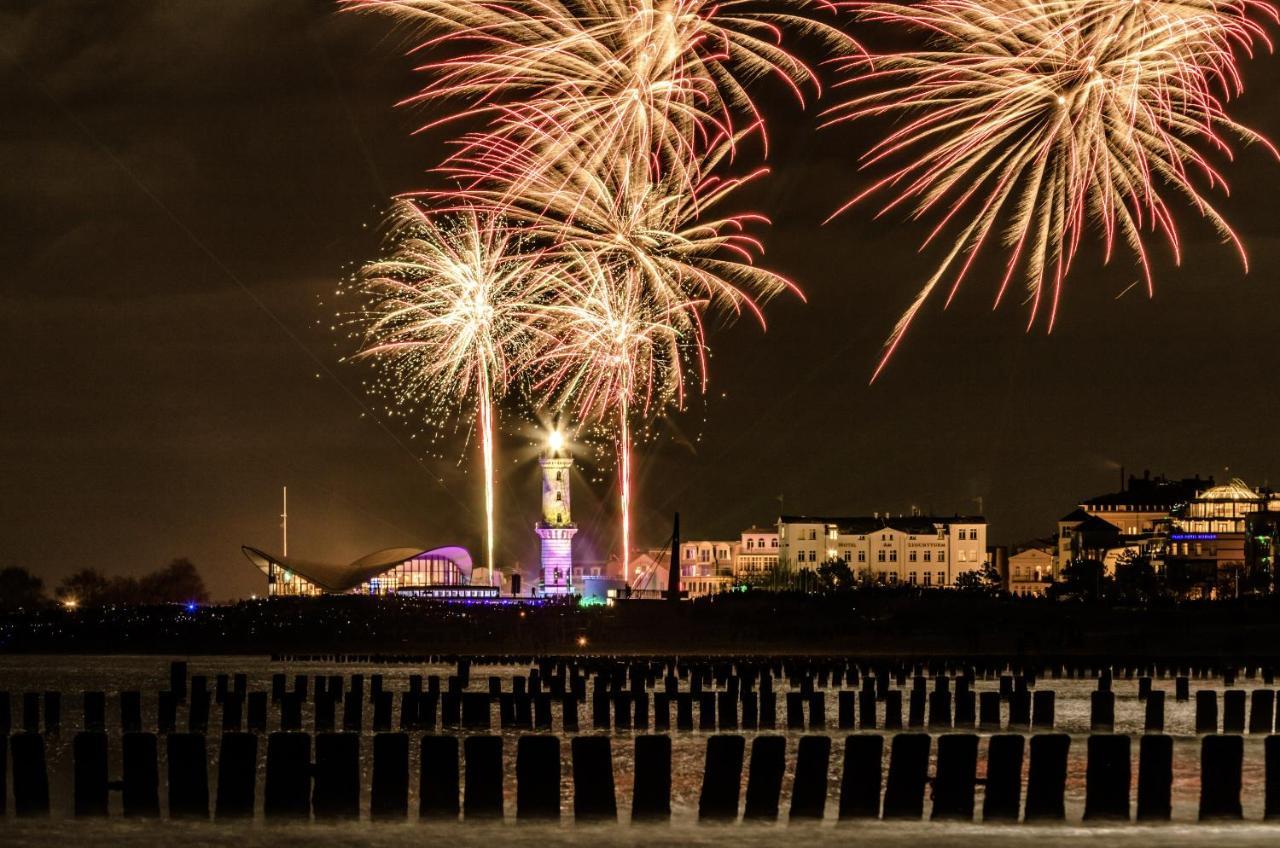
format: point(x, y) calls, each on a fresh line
point(284, 520)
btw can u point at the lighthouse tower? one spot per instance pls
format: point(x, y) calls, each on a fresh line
point(556, 528)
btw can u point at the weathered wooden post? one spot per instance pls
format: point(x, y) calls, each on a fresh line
point(1002, 800)
point(1107, 778)
point(188, 776)
point(287, 793)
point(1221, 761)
point(1155, 775)
point(1047, 777)
point(954, 785)
point(89, 751)
point(141, 795)
point(538, 778)
point(389, 795)
point(651, 798)
point(908, 772)
point(721, 778)
point(594, 798)
point(764, 778)
point(438, 797)
point(482, 787)
point(336, 792)
point(237, 776)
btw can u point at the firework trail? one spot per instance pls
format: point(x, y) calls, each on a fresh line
point(610, 350)
point(653, 244)
point(1027, 120)
point(679, 252)
point(449, 313)
point(591, 77)
point(605, 124)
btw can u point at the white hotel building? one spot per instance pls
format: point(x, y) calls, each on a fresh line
point(916, 550)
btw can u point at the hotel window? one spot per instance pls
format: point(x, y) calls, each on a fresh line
point(813, 535)
point(775, 543)
point(893, 556)
point(911, 577)
point(893, 577)
point(928, 579)
point(750, 544)
point(942, 556)
point(862, 556)
point(879, 556)
point(813, 556)
point(847, 556)
point(911, 556)
point(928, 556)
point(942, 578)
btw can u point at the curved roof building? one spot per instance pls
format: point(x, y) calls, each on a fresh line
point(391, 571)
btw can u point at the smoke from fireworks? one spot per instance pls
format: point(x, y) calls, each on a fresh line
point(448, 313)
point(1028, 120)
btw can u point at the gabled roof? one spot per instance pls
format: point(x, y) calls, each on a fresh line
point(1045, 545)
point(343, 578)
point(1076, 514)
point(1094, 524)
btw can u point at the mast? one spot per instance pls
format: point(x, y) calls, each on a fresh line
point(284, 521)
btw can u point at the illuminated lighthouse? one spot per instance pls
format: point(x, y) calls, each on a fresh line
point(556, 528)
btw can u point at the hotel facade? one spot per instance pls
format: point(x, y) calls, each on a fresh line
point(913, 550)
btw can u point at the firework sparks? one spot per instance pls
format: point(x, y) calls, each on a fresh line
point(590, 77)
point(611, 350)
point(605, 126)
point(1027, 120)
point(449, 312)
point(678, 253)
point(654, 263)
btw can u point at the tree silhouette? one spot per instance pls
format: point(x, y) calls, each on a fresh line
point(20, 589)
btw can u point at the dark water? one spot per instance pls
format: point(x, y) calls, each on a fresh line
point(73, 675)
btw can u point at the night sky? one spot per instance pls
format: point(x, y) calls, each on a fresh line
point(186, 182)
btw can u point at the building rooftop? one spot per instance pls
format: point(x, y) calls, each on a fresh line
point(1151, 492)
point(870, 523)
point(1236, 490)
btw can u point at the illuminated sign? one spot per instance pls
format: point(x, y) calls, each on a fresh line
point(1193, 537)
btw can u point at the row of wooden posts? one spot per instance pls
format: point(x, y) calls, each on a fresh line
point(329, 787)
point(867, 709)
point(827, 670)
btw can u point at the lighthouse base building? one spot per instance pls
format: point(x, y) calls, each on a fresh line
point(556, 529)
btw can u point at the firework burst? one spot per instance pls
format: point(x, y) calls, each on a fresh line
point(590, 77)
point(1028, 120)
point(677, 252)
point(610, 350)
point(605, 126)
point(448, 313)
